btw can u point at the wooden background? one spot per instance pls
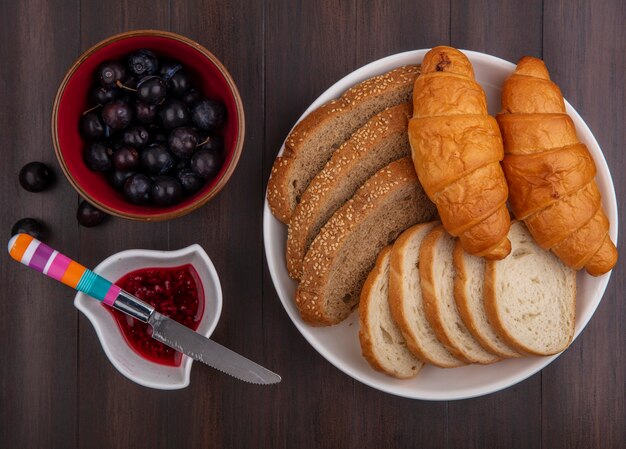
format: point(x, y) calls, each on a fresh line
point(58, 388)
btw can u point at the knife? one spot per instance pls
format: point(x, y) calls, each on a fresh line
point(39, 256)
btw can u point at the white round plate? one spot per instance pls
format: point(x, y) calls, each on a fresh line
point(340, 344)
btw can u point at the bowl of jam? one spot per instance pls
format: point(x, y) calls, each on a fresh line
point(182, 285)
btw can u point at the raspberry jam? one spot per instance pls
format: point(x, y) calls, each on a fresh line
point(174, 292)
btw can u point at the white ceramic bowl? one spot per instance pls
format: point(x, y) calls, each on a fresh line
point(339, 344)
point(121, 355)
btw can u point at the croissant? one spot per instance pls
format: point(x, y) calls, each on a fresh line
point(550, 173)
point(456, 149)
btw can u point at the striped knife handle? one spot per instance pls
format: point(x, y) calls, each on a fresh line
point(39, 256)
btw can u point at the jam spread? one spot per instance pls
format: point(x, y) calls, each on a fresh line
point(174, 292)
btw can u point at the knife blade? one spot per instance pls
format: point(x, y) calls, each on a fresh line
point(204, 350)
point(39, 256)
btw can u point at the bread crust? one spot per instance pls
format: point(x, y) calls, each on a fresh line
point(536, 181)
point(318, 262)
point(550, 173)
point(315, 199)
point(281, 194)
point(397, 297)
point(427, 283)
point(461, 299)
point(549, 225)
point(365, 338)
point(492, 313)
point(491, 302)
point(457, 150)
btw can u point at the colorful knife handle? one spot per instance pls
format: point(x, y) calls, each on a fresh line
point(39, 256)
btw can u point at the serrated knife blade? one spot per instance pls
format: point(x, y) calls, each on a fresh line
point(39, 256)
point(200, 348)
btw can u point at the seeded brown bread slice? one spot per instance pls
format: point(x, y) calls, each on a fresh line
point(382, 343)
point(530, 297)
point(312, 142)
point(406, 302)
point(469, 295)
point(383, 139)
point(343, 253)
point(437, 281)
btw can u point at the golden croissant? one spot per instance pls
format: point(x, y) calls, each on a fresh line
point(457, 149)
point(550, 173)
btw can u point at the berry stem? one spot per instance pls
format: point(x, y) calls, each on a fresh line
point(119, 84)
point(92, 109)
point(203, 142)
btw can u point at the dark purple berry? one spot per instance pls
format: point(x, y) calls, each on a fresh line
point(208, 114)
point(88, 215)
point(110, 72)
point(182, 164)
point(191, 96)
point(145, 113)
point(190, 181)
point(168, 69)
point(29, 226)
point(206, 163)
point(211, 142)
point(179, 83)
point(97, 156)
point(102, 95)
point(137, 137)
point(125, 158)
point(117, 114)
point(137, 189)
point(142, 62)
point(91, 126)
point(166, 191)
point(174, 113)
point(157, 159)
point(35, 176)
point(117, 178)
point(183, 141)
point(151, 90)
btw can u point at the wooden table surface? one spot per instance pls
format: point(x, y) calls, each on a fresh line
point(58, 389)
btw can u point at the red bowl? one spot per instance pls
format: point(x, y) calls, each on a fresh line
point(207, 74)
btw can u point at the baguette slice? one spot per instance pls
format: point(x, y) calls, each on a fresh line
point(312, 142)
point(382, 343)
point(437, 281)
point(383, 139)
point(344, 252)
point(530, 297)
point(469, 295)
point(406, 302)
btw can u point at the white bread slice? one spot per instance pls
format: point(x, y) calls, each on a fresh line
point(405, 299)
point(469, 295)
point(383, 139)
point(312, 141)
point(345, 250)
point(530, 297)
point(382, 343)
point(437, 281)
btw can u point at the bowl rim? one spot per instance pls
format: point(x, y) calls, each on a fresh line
point(81, 300)
point(239, 140)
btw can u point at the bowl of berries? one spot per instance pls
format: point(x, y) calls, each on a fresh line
point(148, 125)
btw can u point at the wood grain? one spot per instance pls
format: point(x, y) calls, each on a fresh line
point(58, 389)
point(584, 391)
point(38, 324)
point(299, 65)
point(135, 416)
point(508, 29)
point(385, 420)
point(228, 228)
